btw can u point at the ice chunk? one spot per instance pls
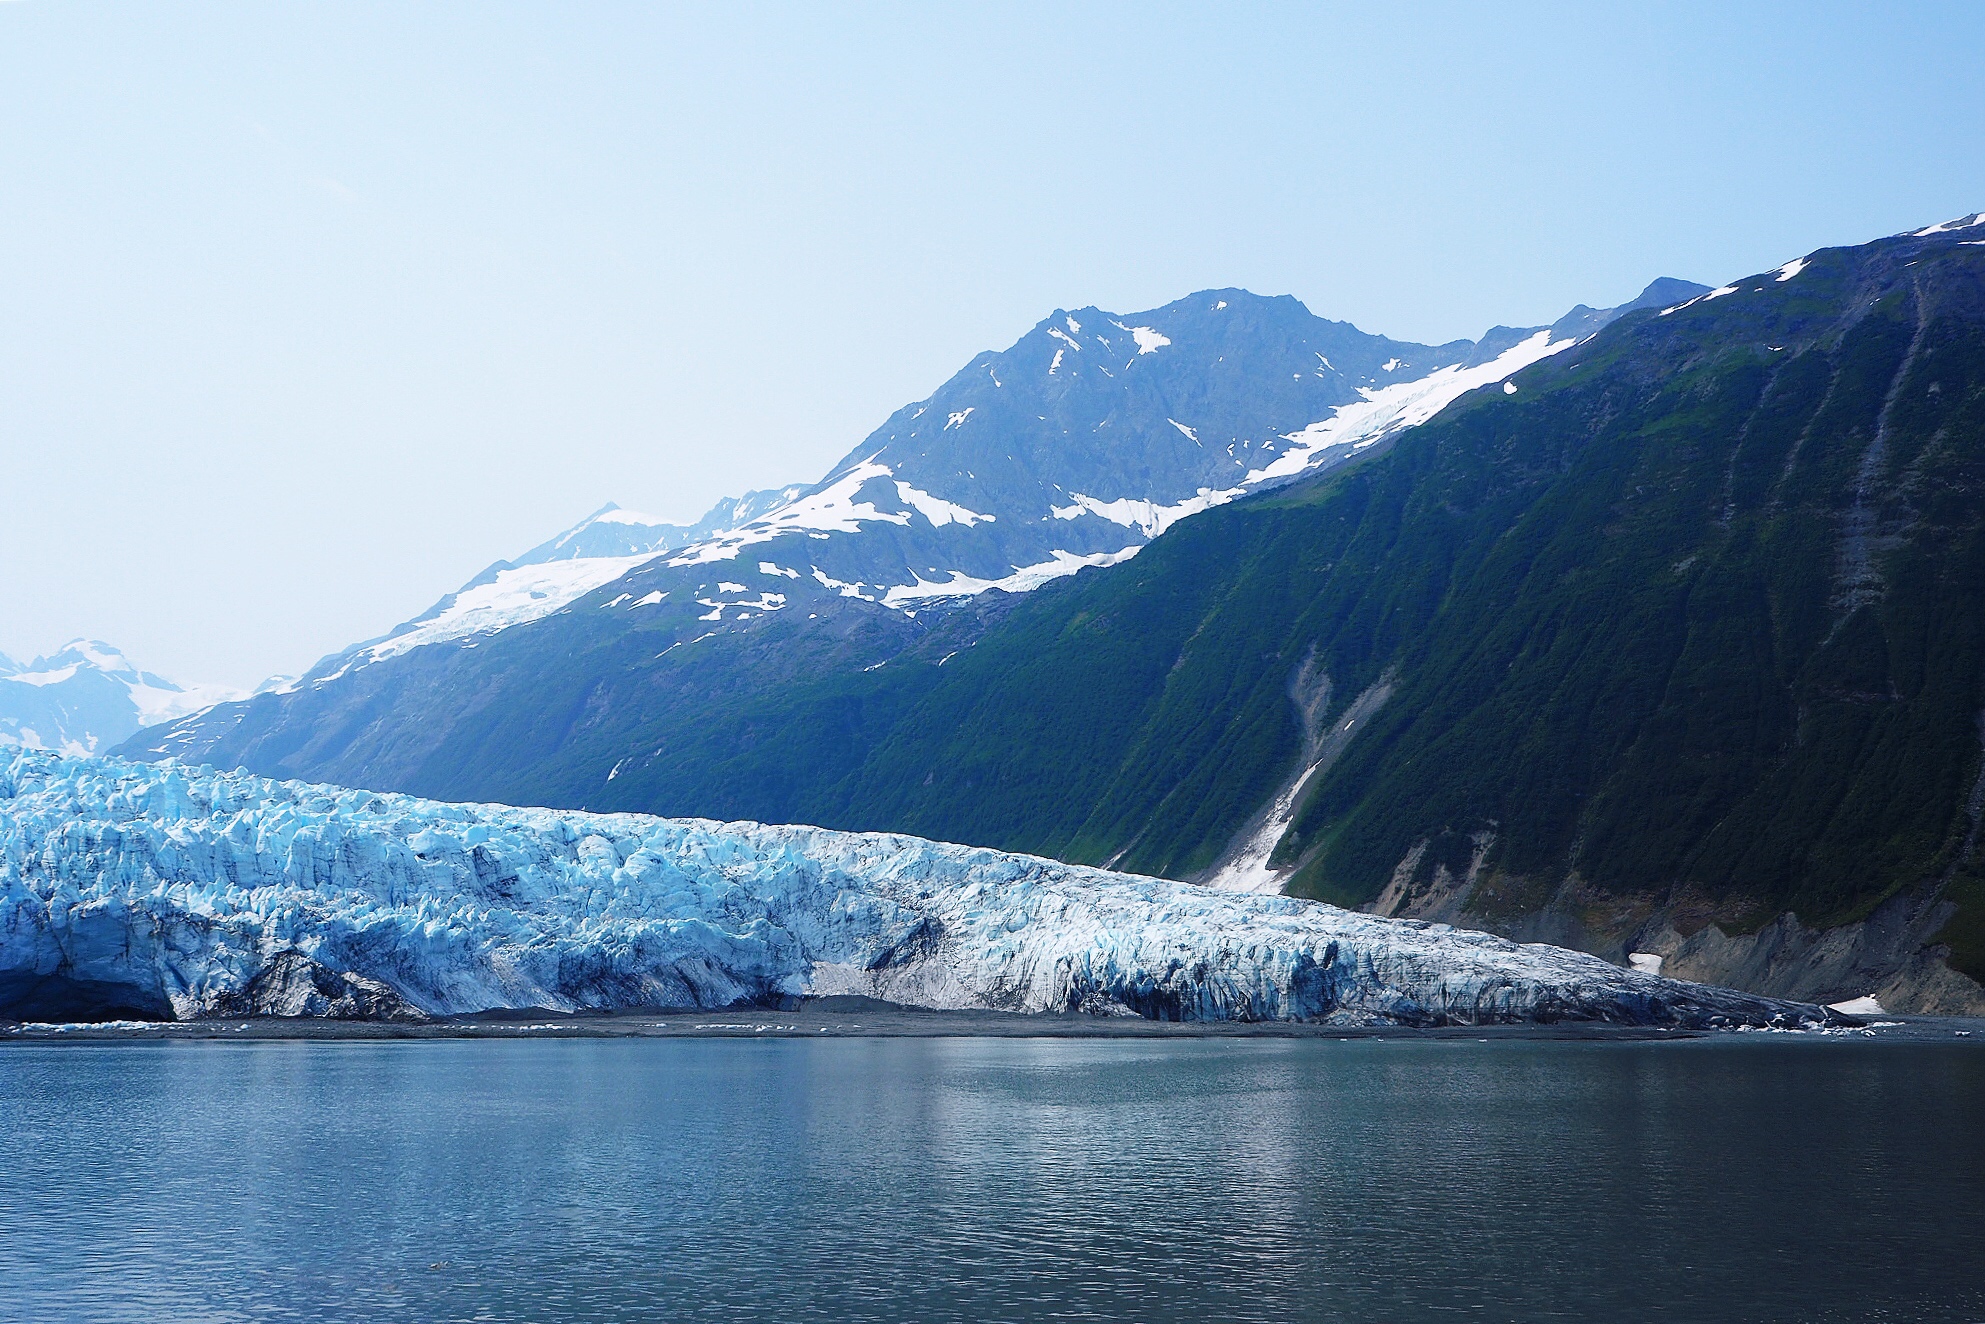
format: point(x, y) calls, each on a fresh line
point(1861, 1006)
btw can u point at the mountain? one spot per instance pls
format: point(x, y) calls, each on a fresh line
point(182, 894)
point(1672, 645)
point(88, 696)
point(1669, 646)
point(1091, 435)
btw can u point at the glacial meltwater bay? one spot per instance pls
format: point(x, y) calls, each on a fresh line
point(1749, 1177)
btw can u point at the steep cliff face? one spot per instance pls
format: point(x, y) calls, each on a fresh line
point(133, 889)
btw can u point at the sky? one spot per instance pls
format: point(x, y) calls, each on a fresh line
point(308, 312)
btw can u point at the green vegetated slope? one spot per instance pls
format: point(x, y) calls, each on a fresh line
point(1696, 611)
point(1718, 623)
point(1698, 608)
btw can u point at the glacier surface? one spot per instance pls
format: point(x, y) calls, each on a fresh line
point(168, 890)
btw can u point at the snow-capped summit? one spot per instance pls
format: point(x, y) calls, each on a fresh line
point(87, 696)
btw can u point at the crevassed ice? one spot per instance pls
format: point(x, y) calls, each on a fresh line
point(178, 887)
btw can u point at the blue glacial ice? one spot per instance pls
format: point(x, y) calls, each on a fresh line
point(173, 891)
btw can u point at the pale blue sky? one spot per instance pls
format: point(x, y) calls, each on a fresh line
point(312, 311)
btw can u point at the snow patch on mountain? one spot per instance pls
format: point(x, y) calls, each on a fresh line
point(1024, 579)
point(1148, 517)
point(511, 597)
point(937, 510)
point(1248, 870)
point(175, 891)
point(1390, 409)
point(832, 509)
point(1382, 412)
point(1944, 227)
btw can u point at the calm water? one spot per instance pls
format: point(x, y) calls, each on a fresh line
point(993, 1180)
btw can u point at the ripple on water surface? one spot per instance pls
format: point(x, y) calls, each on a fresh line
point(963, 1179)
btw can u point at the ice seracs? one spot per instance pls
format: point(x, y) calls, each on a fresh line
point(163, 890)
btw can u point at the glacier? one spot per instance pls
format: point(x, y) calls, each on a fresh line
point(171, 891)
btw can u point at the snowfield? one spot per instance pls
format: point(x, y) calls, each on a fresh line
point(166, 890)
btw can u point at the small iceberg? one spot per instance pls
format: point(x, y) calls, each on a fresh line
point(1862, 1006)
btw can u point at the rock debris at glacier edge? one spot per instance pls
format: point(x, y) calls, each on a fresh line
point(179, 891)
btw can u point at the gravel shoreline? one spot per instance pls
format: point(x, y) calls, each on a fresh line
point(854, 1017)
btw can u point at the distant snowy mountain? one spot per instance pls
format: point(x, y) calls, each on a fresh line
point(88, 696)
point(1073, 448)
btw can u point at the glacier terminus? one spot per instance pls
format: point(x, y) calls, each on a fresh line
point(169, 891)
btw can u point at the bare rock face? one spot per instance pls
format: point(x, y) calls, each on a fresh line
point(222, 894)
point(1892, 956)
point(292, 984)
